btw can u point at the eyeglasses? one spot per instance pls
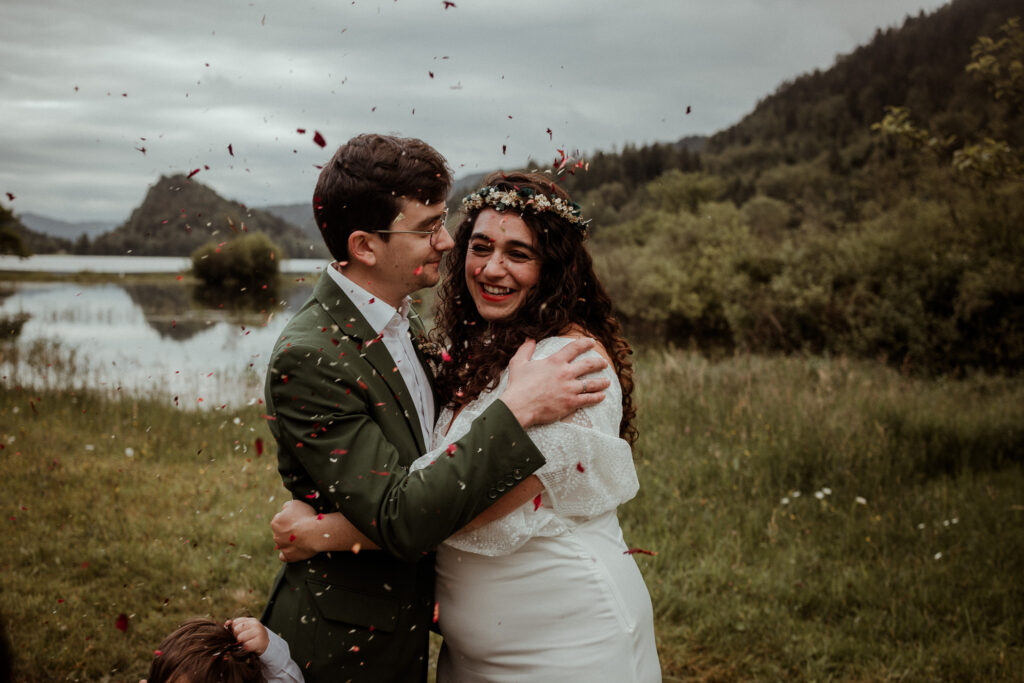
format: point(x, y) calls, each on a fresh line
point(434, 232)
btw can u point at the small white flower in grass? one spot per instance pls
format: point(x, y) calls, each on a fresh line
point(237, 420)
point(795, 494)
point(130, 452)
point(785, 500)
point(89, 447)
point(826, 490)
point(921, 526)
point(945, 522)
point(861, 500)
point(938, 556)
point(820, 495)
point(955, 520)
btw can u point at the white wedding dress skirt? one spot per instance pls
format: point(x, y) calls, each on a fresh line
point(572, 607)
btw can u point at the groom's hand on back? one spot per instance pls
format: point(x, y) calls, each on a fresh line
point(546, 390)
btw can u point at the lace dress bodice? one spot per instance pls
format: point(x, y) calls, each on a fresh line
point(588, 471)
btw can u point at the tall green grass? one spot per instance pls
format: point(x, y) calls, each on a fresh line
point(828, 520)
point(906, 565)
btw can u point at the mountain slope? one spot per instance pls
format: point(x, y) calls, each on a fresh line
point(179, 214)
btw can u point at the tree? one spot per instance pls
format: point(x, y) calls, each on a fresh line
point(11, 241)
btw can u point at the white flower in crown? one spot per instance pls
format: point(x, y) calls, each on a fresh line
point(526, 199)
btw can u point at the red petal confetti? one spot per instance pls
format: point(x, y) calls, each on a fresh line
point(446, 357)
point(549, 133)
point(300, 131)
point(451, 449)
point(121, 624)
point(419, 269)
point(231, 151)
point(10, 197)
point(436, 611)
point(312, 496)
point(158, 653)
point(320, 516)
point(448, 4)
point(430, 73)
point(354, 648)
point(193, 173)
point(339, 451)
point(688, 109)
point(259, 446)
point(634, 551)
point(503, 148)
point(536, 503)
point(319, 139)
point(291, 539)
point(579, 466)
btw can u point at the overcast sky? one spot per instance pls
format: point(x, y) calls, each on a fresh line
point(86, 86)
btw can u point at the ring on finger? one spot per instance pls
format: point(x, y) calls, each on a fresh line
point(584, 386)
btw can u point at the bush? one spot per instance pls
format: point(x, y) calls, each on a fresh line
point(249, 261)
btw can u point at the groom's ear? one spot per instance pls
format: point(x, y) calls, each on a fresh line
point(361, 247)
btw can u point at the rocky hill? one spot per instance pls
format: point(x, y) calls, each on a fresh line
point(179, 214)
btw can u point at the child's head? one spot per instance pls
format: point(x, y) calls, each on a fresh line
point(203, 651)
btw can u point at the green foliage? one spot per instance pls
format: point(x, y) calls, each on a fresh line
point(805, 234)
point(10, 239)
point(249, 262)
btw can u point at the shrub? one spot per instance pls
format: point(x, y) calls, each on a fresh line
point(249, 261)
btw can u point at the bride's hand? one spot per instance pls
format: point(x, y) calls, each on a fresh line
point(300, 533)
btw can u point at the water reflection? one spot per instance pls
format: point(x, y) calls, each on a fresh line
point(140, 339)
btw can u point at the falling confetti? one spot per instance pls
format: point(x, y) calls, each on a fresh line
point(451, 449)
point(549, 133)
point(259, 446)
point(448, 4)
point(10, 197)
point(231, 151)
point(579, 467)
point(536, 503)
point(634, 551)
point(193, 173)
point(121, 624)
point(319, 139)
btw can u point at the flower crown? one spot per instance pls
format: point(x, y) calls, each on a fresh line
point(524, 199)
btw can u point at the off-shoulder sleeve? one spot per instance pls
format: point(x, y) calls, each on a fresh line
point(589, 468)
point(589, 471)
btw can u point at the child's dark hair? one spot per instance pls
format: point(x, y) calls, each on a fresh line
point(204, 651)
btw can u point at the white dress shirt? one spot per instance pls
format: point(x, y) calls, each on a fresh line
point(393, 326)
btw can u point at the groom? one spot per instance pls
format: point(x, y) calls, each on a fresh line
point(351, 401)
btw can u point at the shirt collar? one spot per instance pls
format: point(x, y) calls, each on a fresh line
point(378, 313)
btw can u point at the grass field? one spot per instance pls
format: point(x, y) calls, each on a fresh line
point(813, 520)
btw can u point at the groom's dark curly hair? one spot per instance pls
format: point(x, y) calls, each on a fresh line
point(567, 296)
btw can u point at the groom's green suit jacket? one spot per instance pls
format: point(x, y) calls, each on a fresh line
point(347, 430)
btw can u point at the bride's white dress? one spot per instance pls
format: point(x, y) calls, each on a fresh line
point(549, 593)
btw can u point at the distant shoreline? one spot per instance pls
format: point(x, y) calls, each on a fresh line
point(93, 268)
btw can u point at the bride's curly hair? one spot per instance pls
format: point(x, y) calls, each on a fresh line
point(568, 295)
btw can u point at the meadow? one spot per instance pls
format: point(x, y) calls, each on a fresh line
point(812, 519)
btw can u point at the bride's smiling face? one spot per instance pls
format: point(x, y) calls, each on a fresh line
point(502, 263)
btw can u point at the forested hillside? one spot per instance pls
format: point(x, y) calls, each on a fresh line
point(179, 214)
point(873, 209)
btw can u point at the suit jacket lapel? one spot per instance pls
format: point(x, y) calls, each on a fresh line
point(352, 324)
point(418, 333)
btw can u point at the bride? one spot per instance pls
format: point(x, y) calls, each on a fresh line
point(540, 585)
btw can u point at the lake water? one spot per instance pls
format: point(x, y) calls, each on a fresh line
point(70, 263)
point(140, 338)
